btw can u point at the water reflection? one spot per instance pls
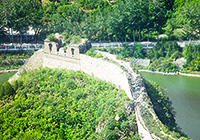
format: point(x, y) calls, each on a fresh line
point(184, 92)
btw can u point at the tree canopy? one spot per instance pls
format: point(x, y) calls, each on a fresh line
point(119, 20)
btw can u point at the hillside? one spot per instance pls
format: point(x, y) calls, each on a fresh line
point(57, 104)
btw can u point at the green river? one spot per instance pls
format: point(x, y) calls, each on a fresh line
point(184, 92)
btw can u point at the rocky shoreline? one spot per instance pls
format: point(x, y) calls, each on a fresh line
point(170, 73)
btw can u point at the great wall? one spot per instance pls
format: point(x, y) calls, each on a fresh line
point(110, 69)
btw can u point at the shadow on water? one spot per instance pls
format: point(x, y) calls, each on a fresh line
point(184, 93)
point(162, 106)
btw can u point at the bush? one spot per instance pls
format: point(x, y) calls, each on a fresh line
point(159, 69)
point(76, 39)
point(103, 49)
point(6, 90)
point(58, 104)
point(162, 70)
point(98, 55)
point(52, 37)
point(93, 54)
point(66, 37)
point(151, 68)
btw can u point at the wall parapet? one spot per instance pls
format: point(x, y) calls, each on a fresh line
point(71, 50)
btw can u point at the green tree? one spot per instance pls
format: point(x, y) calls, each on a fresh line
point(157, 12)
point(21, 14)
point(67, 18)
point(185, 20)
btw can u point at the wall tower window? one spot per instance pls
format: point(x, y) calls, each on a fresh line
point(72, 51)
point(50, 47)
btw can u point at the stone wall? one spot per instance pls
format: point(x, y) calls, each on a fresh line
point(34, 62)
point(114, 71)
point(54, 48)
point(56, 61)
point(142, 104)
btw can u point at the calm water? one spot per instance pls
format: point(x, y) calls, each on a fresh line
point(184, 92)
point(5, 76)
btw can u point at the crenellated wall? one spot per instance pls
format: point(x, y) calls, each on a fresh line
point(54, 48)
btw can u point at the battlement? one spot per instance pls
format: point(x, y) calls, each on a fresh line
point(72, 50)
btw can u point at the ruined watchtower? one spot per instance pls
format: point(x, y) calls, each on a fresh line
point(71, 50)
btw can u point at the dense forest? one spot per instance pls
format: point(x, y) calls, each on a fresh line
point(100, 20)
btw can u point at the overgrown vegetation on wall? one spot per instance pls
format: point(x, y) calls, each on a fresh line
point(57, 104)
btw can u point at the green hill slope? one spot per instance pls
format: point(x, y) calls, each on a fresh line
point(57, 104)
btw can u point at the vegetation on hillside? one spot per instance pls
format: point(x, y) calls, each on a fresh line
point(13, 59)
point(57, 104)
point(91, 52)
point(162, 56)
point(126, 51)
point(118, 20)
point(192, 55)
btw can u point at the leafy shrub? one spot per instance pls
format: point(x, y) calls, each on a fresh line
point(159, 69)
point(151, 68)
point(162, 70)
point(103, 49)
point(164, 49)
point(52, 37)
point(66, 37)
point(76, 39)
point(98, 55)
point(191, 53)
point(92, 53)
point(6, 90)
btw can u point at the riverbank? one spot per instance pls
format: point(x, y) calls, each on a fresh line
point(184, 92)
point(6, 71)
point(170, 73)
